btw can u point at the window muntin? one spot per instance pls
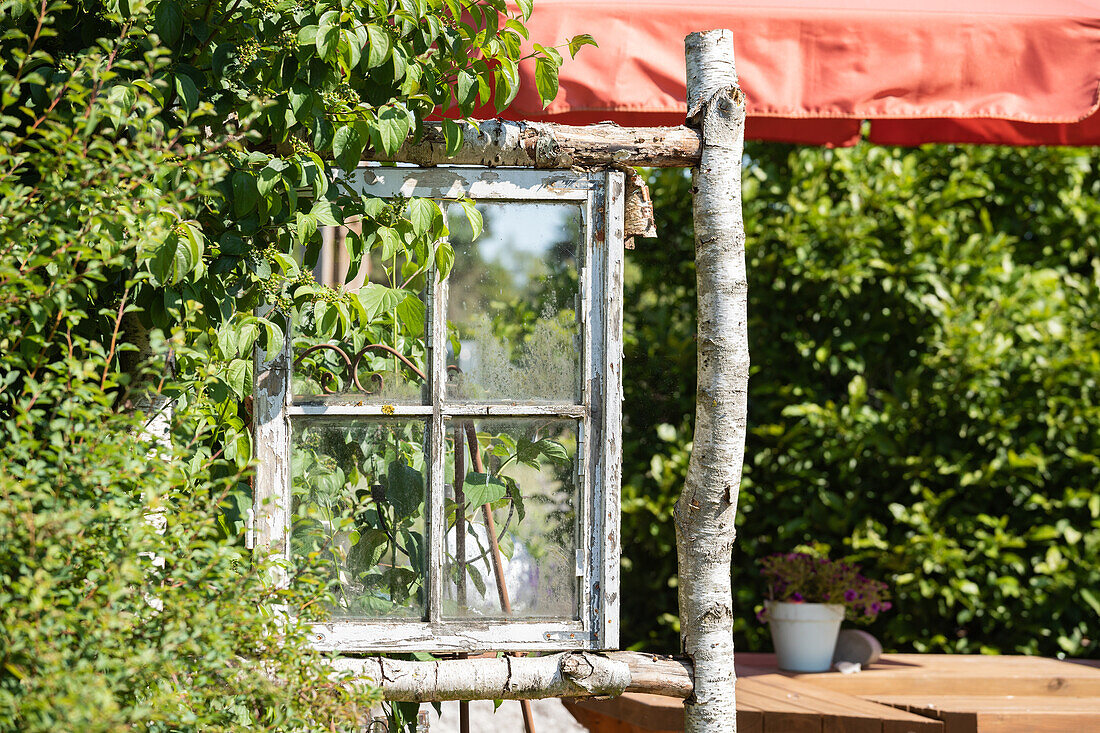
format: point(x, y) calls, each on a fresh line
point(560, 566)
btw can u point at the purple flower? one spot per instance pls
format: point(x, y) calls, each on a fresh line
point(849, 595)
point(796, 598)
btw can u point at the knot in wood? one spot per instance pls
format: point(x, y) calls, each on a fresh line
point(576, 667)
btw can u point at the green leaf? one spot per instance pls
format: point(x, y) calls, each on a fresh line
point(330, 318)
point(376, 299)
point(452, 134)
point(393, 128)
point(546, 80)
point(347, 147)
point(269, 178)
point(506, 81)
point(307, 227)
point(553, 450)
point(274, 338)
point(475, 578)
point(379, 46)
point(239, 377)
point(351, 51)
point(525, 7)
point(444, 259)
point(168, 22)
point(327, 213)
point(245, 193)
point(188, 92)
point(1090, 598)
point(175, 258)
point(474, 217)
point(328, 43)
point(307, 36)
point(466, 88)
point(406, 489)
point(327, 40)
point(411, 312)
point(483, 488)
point(391, 243)
point(194, 241)
point(576, 43)
point(422, 212)
point(369, 549)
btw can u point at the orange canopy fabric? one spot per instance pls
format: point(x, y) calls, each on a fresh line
point(1020, 72)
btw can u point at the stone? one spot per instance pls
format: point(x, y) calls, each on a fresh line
point(857, 647)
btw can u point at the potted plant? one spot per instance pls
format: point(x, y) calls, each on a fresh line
point(808, 597)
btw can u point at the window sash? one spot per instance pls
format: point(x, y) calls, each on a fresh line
point(598, 413)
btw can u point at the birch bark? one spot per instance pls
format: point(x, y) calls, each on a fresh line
point(704, 515)
point(548, 145)
point(566, 674)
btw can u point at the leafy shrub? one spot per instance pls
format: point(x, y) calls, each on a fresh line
point(923, 330)
point(161, 165)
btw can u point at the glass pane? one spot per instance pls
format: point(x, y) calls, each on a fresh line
point(512, 304)
point(358, 503)
point(369, 343)
point(525, 470)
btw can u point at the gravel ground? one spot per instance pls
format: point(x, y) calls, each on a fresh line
point(550, 717)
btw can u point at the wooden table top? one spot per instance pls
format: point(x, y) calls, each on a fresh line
point(902, 693)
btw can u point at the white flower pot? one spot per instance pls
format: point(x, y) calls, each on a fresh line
point(804, 634)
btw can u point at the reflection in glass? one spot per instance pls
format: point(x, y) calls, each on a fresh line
point(511, 515)
point(358, 505)
point(512, 304)
point(371, 347)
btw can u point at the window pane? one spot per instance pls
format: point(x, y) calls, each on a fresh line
point(512, 304)
point(358, 503)
point(525, 469)
point(367, 345)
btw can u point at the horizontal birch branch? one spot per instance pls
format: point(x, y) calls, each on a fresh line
point(550, 145)
point(567, 674)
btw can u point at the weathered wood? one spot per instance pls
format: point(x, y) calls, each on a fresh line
point(604, 394)
point(271, 451)
point(948, 674)
point(1003, 713)
point(769, 702)
point(571, 674)
point(549, 145)
point(705, 511)
point(568, 674)
point(657, 675)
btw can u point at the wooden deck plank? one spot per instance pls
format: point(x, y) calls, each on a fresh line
point(840, 705)
point(998, 703)
point(1004, 713)
point(942, 674)
point(600, 717)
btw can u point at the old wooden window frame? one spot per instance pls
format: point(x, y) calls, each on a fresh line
point(600, 195)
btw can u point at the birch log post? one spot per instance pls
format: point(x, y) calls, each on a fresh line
point(549, 145)
point(704, 514)
point(566, 674)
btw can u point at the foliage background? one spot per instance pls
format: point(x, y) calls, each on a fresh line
point(925, 337)
point(162, 164)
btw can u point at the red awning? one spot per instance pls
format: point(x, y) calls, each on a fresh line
point(1007, 71)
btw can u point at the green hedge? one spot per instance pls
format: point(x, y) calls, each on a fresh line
point(925, 335)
